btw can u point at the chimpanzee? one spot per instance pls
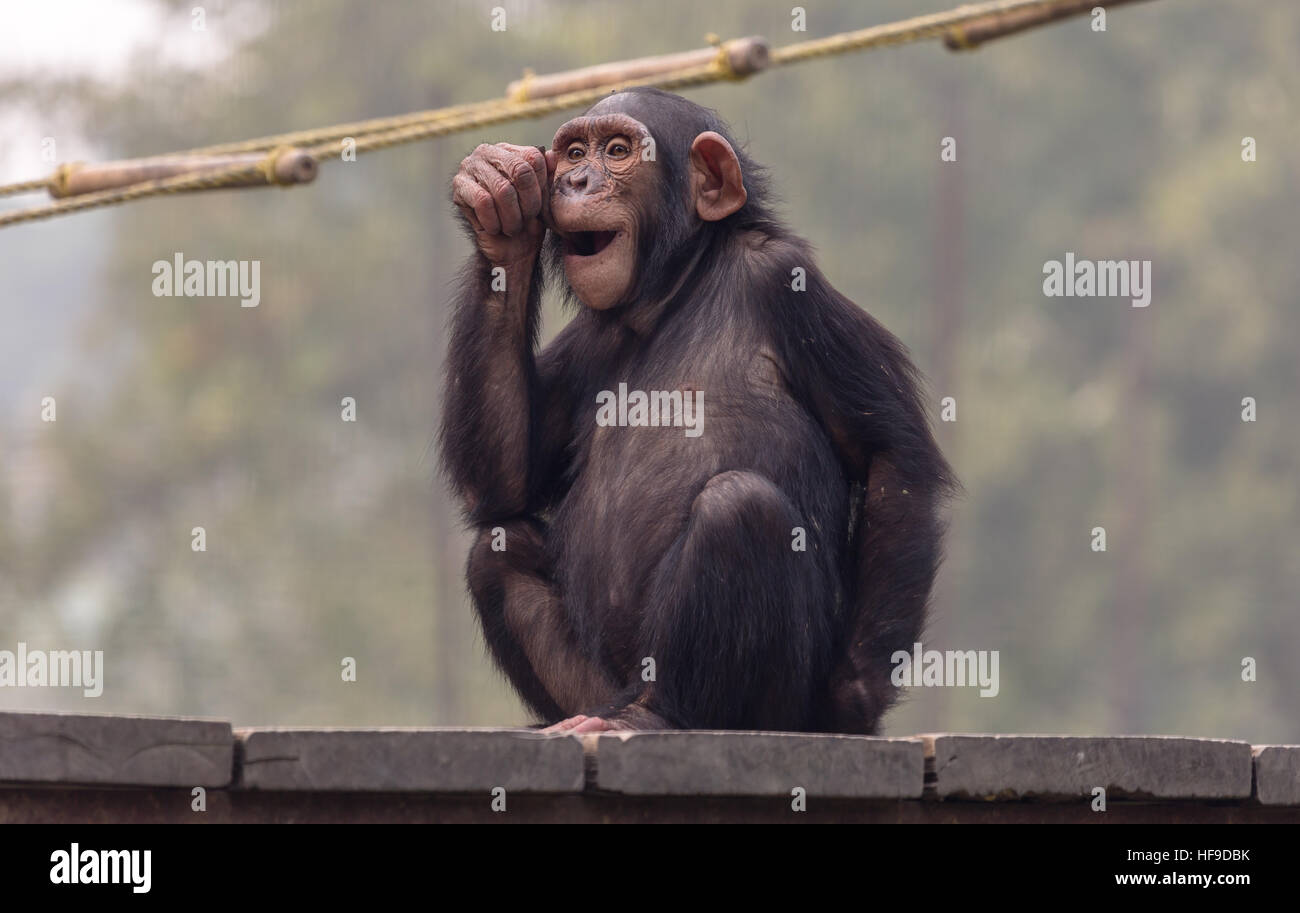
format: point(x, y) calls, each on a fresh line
point(662, 558)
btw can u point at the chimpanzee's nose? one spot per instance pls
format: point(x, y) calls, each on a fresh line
point(582, 181)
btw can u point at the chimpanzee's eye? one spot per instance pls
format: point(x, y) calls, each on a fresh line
point(576, 152)
point(617, 149)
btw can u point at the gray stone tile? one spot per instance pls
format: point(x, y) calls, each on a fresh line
point(1020, 766)
point(1277, 774)
point(758, 764)
point(418, 760)
point(118, 750)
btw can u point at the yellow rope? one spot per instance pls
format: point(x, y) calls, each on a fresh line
point(918, 28)
point(339, 131)
point(470, 120)
point(214, 180)
point(59, 180)
point(721, 61)
point(489, 116)
point(25, 186)
point(381, 133)
point(521, 92)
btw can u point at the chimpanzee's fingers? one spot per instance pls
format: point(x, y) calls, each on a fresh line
point(470, 216)
point(505, 201)
point(475, 202)
point(538, 162)
point(493, 167)
point(526, 168)
point(549, 161)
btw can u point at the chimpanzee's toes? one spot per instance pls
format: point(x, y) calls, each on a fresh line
point(598, 724)
point(568, 725)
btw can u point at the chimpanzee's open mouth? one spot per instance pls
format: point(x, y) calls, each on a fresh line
point(589, 243)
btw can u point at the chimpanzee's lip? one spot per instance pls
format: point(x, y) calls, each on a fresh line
point(588, 243)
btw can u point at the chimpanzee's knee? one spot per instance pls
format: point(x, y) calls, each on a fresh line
point(740, 620)
point(746, 508)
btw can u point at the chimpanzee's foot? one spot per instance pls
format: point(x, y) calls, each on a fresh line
point(631, 718)
point(580, 724)
point(564, 725)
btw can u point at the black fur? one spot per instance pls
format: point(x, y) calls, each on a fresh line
point(628, 543)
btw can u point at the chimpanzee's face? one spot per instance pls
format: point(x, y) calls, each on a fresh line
point(601, 200)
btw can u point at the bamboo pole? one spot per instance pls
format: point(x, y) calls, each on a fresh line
point(286, 166)
point(741, 57)
point(972, 34)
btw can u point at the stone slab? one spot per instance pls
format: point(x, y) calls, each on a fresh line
point(758, 764)
point(1068, 767)
point(415, 760)
point(1277, 774)
point(118, 750)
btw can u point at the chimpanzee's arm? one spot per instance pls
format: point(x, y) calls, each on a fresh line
point(498, 396)
point(490, 389)
point(855, 376)
point(857, 379)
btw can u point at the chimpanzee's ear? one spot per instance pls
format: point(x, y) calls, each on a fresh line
point(716, 182)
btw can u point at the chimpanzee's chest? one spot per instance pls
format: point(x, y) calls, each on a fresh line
point(648, 438)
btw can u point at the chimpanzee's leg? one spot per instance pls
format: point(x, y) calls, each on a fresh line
point(524, 622)
point(896, 551)
point(738, 622)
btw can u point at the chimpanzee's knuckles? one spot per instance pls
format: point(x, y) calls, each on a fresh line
point(518, 150)
point(462, 188)
point(533, 158)
point(507, 204)
point(462, 194)
point(524, 178)
point(512, 169)
point(469, 162)
point(517, 168)
point(470, 196)
point(503, 189)
point(486, 212)
point(536, 161)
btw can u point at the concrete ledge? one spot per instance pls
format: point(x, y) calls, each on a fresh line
point(414, 760)
point(758, 764)
point(1068, 767)
point(1277, 774)
point(83, 768)
point(114, 750)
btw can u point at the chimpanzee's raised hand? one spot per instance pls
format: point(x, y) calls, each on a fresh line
point(503, 191)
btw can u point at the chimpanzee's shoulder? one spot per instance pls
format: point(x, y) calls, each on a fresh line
point(771, 249)
point(780, 263)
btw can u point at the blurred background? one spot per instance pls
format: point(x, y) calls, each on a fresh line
point(328, 539)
